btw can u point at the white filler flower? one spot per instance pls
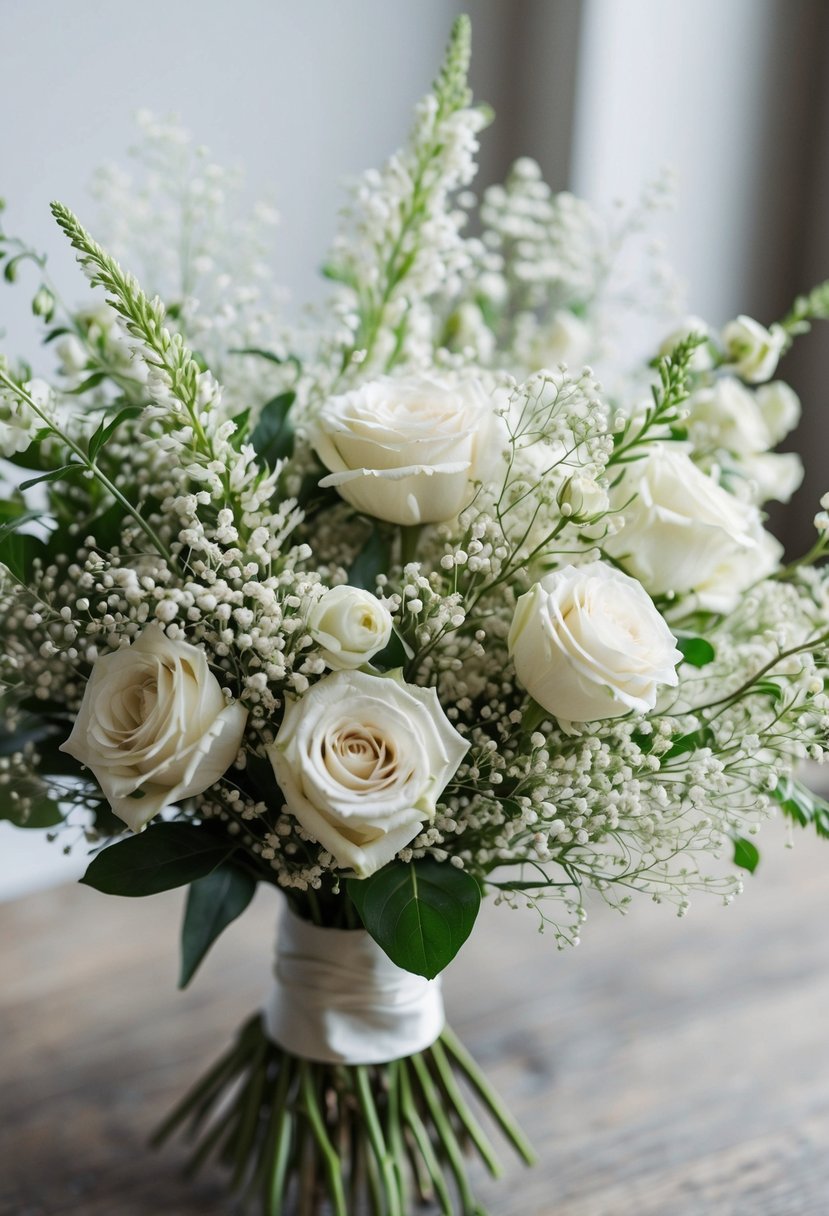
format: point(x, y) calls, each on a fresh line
point(154, 726)
point(588, 643)
point(361, 761)
point(349, 626)
point(684, 533)
point(409, 450)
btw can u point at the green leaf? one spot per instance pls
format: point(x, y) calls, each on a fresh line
point(273, 435)
point(18, 551)
point(52, 475)
point(802, 805)
point(746, 855)
point(420, 914)
point(107, 429)
point(396, 653)
point(16, 516)
point(213, 902)
point(90, 382)
point(373, 559)
point(696, 651)
point(164, 856)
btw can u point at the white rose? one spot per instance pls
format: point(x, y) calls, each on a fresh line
point(154, 727)
point(682, 532)
point(361, 761)
point(752, 350)
point(771, 475)
point(567, 340)
point(701, 360)
point(349, 626)
point(780, 406)
point(588, 643)
point(727, 415)
point(409, 449)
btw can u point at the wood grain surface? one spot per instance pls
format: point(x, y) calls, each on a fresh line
point(663, 1068)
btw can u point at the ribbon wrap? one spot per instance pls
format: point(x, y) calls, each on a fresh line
point(339, 999)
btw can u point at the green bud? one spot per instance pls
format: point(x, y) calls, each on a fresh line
point(43, 305)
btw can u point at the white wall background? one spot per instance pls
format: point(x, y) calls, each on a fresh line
point(306, 94)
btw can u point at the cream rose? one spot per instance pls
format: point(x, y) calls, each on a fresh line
point(752, 350)
point(154, 726)
point(409, 450)
point(780, 406)
point(684, 533)
point(361, 761)
point(349, 626)
point(588, 643)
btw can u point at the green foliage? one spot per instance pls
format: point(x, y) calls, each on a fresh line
point(696, 651)
point(667, 396)
point(451, 86)
point(802, 806)
point(746, 855)
point(806, 309)
point(373, 559)
point(164, 856)
point(36, 810)
point(273, 435)
point(213, 902)
point(420, 914)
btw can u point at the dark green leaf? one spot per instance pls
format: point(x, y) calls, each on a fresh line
point(52, 475)
point(260, 354)
point(373, 559)
point(164, 856)
point(107, 429)
point(57, 332)
point(420, 914)
point(273, 435)
point(90, 382)
point(746, 855)
point(18, 552)
point(43, 812)
point(696, 651)
point(213, 902)
point(393, 655)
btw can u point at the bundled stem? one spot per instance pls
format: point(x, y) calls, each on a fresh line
point(302, 1136)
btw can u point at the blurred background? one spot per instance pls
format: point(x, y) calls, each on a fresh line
point(602, 93)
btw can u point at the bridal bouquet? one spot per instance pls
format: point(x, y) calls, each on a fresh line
point(393, 610)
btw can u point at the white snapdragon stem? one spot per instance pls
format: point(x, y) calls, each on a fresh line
point(339, 999)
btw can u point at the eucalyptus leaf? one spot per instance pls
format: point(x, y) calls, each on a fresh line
point(420, 914)
point(163, 856)
point(213, 902)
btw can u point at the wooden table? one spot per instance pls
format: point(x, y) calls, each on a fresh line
point(663, 1068)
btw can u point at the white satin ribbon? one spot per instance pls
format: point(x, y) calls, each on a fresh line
point(339, 999)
